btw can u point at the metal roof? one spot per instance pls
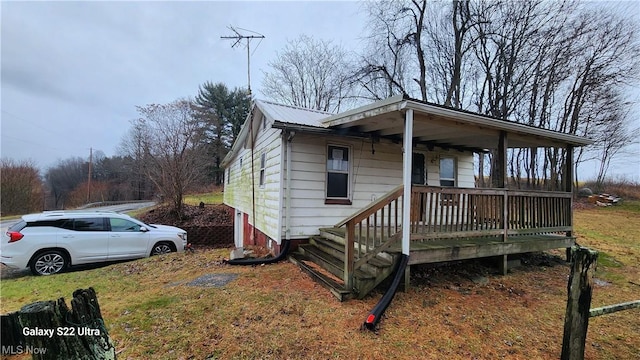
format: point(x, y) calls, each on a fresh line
point(433, 125)
point(291, 114)
point(278, 114)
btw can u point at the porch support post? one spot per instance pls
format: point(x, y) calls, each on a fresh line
point(406, 181)
point(568, 187)
point(500, 175)
point(500, 181)
point(568, 169)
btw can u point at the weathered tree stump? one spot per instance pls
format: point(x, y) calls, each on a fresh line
point(579, 288)
point(11, 332)
point(52, 331)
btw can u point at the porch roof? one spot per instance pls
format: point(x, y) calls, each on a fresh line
point(445, 127)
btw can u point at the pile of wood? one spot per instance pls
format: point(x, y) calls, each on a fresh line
point(604, 199)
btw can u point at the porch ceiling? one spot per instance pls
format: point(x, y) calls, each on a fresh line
point(448, 128)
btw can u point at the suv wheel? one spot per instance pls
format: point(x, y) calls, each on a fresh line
point(161, 248)
point(48, 262)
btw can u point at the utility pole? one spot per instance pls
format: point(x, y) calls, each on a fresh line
point(238, 37)
point(89, 179)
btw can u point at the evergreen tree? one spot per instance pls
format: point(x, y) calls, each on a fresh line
point(221, 113)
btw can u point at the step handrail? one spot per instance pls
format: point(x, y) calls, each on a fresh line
point(373, 206)
point(350, 263)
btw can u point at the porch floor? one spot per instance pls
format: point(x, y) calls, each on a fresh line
point(441, 250)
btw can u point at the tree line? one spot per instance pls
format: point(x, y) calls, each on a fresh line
point(560, 65)
point(168, 150)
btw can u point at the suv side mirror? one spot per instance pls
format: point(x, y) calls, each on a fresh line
point(143, 229)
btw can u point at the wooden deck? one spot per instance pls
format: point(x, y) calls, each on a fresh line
point(448, 224)
point(432, 251)
point(461, 248)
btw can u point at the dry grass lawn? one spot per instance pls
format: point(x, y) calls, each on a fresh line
point(460, 311)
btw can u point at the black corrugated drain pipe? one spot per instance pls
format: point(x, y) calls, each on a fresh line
point(266, 260)
point(376, 313)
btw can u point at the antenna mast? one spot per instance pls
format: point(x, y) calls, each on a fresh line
point(238, 38)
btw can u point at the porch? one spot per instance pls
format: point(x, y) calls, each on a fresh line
point(431, 224)
point(446, 224)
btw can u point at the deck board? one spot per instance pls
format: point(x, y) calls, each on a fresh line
point(451, 249)
point(441, 250)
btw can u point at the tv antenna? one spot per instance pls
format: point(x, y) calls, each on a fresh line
point(238, 37)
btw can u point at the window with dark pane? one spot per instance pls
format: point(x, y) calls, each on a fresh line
point(263, 162)
point(418, 175)
point(90, 224)
point(337, 172)
point(447, 172)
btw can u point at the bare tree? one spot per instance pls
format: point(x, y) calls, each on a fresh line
point(21, 188)
point(395, 61)
point(605, 59)
point(63, 178)
point(544, 64)
point(613, 133)
point(133, 149)
point(449, 39)
point(175, 158)
point(309, 73)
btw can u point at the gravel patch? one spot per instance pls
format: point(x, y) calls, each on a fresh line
point(213, 280)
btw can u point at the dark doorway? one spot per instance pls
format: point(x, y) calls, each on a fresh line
point(418, 175)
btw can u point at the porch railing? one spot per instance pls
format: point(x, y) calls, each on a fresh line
point(370, 231)
point(443, 212)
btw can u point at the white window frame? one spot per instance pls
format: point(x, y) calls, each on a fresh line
point(347, 172)
point(263, 166)
point(455, 171)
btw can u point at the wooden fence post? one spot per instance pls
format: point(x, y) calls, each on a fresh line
point(52, 331)
point(579, 287)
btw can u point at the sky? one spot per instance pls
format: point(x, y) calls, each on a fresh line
point(74, 72)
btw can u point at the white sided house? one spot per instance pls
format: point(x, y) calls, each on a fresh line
point(338, 185)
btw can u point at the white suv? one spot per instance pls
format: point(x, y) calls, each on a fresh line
point(53, 240)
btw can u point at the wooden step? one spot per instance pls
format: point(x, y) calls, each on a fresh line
point(328, 246)
point(380, 262)
point(337, 249)
point(335, 234)
point(336, 288)
point(331, 263)
point(325, 260)
point(382, 271)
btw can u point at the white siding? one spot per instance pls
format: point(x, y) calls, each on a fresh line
point(238, 193)
point(465, 170)
point(371, 176)
point(464, 167)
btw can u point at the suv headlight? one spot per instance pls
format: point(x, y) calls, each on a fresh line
point(183, 236)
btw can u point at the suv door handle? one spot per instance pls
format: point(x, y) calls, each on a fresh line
point(115, 235)
point(67, 236)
